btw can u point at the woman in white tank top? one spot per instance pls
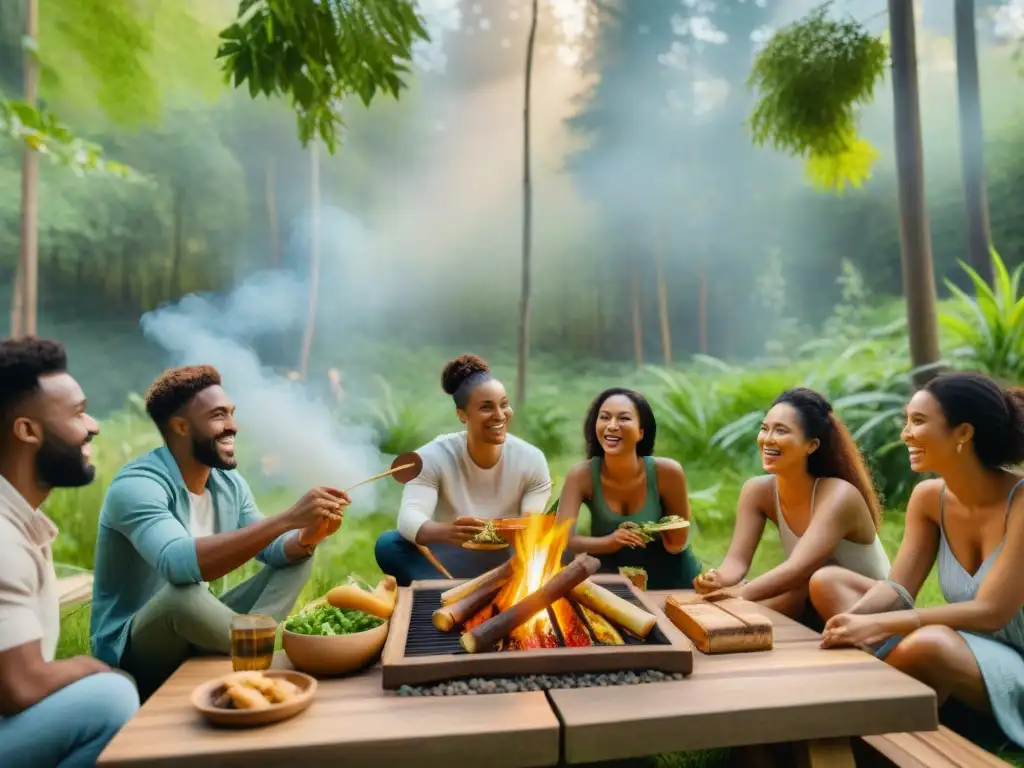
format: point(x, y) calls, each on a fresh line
point(818, 493)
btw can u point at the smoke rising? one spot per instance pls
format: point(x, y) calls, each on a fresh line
point(277, 417)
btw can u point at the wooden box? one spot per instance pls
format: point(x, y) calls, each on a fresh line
point(726, 626)
point(418, 653)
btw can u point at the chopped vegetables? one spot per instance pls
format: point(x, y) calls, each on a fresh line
point(489, 535)
point(326, 620)
point(646, 531)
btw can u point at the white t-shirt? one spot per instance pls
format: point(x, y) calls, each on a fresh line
point(29, 604)
point(201, 521)
point(452, 485)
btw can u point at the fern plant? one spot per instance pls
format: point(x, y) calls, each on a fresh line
point(990, 324)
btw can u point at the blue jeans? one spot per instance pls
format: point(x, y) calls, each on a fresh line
point(398, 557)
point(71, 727)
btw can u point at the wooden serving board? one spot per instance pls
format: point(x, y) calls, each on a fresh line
point(726, 626)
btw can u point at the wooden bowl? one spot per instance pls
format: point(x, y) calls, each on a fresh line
point(203, 697)
point(327, 655)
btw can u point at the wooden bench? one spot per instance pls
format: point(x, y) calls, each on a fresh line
point(929, 749)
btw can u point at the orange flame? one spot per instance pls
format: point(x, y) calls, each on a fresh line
point(537, 556)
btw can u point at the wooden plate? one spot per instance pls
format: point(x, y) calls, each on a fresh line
point(484, 547)
point(510, 524)
point(672, 526)
point(203, 697)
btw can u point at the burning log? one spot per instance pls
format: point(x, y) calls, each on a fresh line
point(574, 631)
point(485, 582)
point(631, 617)
point(449, 616)
point(602, 629)
point(536, 633)
point(485, 636)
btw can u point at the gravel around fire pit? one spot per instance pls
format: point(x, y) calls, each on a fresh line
point(480, 685)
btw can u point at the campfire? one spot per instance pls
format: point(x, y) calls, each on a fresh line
point(531, 615)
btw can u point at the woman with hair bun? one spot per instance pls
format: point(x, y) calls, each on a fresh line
point(818, 493)
point(479, 473)
point(970, 432)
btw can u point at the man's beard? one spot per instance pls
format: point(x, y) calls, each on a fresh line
point(60, 464)
point(204, 450)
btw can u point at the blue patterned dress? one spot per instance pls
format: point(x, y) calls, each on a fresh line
point(1000, 654)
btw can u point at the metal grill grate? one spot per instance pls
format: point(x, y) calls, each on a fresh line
point(424, 639)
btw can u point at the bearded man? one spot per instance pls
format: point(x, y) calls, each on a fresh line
point(51, 712)
point(180, 517)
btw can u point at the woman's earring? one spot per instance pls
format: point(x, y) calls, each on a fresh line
point(959, 447)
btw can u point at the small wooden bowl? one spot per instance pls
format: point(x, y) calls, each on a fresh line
point(204, 695)
point(327, 655)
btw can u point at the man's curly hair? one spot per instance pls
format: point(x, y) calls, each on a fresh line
point(22, 363)
point(174, 388)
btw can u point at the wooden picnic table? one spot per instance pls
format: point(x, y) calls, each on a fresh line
point(796, 692)
point(793, 693)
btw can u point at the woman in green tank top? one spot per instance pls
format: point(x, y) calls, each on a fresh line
point(622, 482)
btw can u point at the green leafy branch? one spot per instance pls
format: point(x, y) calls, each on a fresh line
point(318, 52)
point(810, 78)
point(41, 130)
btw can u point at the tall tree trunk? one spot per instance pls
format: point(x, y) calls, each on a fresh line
point(915, 239)
point(314, 257)
point(972, 140)
point(177, 239)
point(523, 336)
point(26, 276)
point(702, 305)
point(270, 198)
point(666, 328)
point(638, 325)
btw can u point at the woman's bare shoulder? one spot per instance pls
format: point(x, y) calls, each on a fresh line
point(668, 468)
point(579, 475)
point(926, 499)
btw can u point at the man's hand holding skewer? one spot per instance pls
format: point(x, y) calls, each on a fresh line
point(318, 514)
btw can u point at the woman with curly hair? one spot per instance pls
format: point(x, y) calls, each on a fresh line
point(470, 476)
point(968, 522)
point(621, 481)
point(819, 495)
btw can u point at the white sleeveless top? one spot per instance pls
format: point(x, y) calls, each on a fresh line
point(866, 559)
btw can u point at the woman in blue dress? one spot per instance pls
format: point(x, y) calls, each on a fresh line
point(967, 430)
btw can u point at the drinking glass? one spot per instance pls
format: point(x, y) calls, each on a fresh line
point(252, 641)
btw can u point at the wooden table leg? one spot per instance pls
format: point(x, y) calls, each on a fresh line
point(825, 753)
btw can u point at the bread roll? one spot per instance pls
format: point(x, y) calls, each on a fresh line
point(351, 596)
point(244, 697)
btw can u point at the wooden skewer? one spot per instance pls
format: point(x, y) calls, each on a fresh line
point(378, 477)
point(434, 561)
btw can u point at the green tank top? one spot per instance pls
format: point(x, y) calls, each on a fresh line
point(664, 569)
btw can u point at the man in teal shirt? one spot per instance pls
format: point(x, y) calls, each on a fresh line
point(179, 517)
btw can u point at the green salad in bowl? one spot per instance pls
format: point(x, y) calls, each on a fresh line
point(326, 621)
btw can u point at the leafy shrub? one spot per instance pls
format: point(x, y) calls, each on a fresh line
point(990, 324)
point(547, 424)
point(401, 425)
